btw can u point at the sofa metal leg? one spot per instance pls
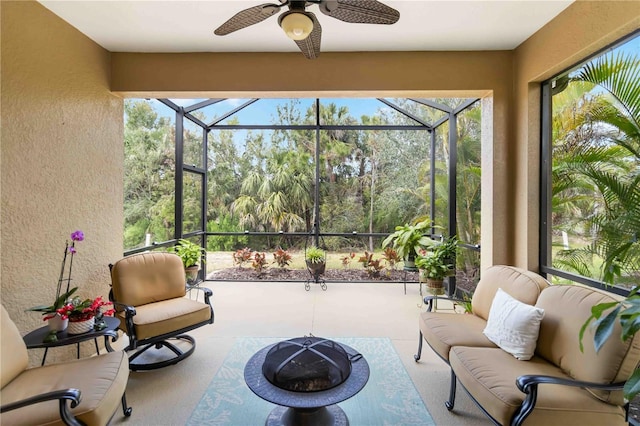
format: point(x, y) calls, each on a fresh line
point(452, 392)
point(125, 409)
point(416, 357)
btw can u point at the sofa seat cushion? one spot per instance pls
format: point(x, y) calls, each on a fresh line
point(442, 330)
point(155, 319)
point(490, 374)
point(101, 379)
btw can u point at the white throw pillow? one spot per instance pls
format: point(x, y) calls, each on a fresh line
point(513, 325)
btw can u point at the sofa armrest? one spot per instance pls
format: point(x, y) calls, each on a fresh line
point(62, 395)
point(529, 385)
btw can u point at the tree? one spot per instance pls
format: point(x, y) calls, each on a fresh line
point(149, 179)
point(606, 168)
point(617, 224)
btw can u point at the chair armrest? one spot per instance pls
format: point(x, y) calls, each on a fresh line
point(62, 395)
point(129, 313)
point(529, 385)
point(208, 293)
point(129, 310)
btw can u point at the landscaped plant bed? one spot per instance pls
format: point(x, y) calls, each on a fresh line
point(343, 275)
point(285, 274)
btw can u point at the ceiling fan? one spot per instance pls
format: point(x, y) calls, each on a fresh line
point(303, 27)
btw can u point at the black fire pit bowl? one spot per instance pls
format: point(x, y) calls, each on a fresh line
point(310, 399)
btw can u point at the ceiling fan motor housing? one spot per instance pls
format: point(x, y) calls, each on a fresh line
point(296, 24)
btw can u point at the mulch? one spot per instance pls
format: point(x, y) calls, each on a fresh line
point(463, 282)
point(284, 274)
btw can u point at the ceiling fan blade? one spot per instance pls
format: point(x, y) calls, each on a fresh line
point(360, 11)
point(310, 46)
point(247, 17)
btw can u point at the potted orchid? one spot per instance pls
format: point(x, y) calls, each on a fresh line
point(50, 312)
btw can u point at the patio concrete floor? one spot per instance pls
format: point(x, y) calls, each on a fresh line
point(285, 310)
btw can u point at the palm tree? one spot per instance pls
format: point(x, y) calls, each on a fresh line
point(278, 197)
point(607, 169)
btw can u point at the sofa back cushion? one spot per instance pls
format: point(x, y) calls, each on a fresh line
point(13, 351)
point(148, 277)
point(566, 309)
point(520, 284)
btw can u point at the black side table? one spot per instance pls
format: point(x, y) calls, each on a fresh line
point(35, 339)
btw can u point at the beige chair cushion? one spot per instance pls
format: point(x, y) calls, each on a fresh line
point(155, 319)
point(521, 284)
point(135, 285)
point(101, 379)
point(13, 351)
point(558, 341)
point(490, 374)
point(442, 330)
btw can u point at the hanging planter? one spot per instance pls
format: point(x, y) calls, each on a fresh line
point(316, 260)
point(316, 268)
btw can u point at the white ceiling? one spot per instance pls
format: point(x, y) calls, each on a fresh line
point(187, 25)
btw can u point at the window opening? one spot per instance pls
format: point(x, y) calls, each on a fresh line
point(346, 171)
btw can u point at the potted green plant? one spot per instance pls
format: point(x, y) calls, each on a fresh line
point(315, 258)
point(438, 262)
point(408, 239)
point(191, 255)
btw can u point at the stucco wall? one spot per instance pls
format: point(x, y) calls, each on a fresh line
point(62, 161)
point(578, 32)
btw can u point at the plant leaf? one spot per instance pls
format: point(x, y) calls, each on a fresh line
point(605, 327)
point(582, 330)
point(598, 309)
point(632, 387)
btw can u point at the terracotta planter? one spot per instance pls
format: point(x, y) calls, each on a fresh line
point(191, 273)
point(57, 323)
point(79, 327)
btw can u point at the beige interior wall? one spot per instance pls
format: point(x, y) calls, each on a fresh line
point(581, 30)
point(62, 161)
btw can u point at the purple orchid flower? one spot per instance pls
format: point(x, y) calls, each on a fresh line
point(77, 235)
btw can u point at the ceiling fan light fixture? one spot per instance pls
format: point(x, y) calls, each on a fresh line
point(296, 25)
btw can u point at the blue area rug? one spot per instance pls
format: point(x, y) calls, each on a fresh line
point(389, 398)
